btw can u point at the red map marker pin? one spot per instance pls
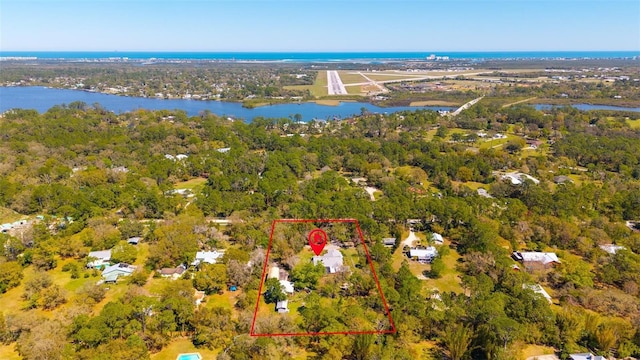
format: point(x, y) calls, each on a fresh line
point(317, 241)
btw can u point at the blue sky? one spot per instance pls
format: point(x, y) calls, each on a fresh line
point(327, 25)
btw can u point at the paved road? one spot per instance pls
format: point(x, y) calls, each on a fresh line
point(335, 85)
point(466, 106)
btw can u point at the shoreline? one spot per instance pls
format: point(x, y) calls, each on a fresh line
point(336, 102)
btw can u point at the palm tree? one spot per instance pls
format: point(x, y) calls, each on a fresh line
point(457, 341)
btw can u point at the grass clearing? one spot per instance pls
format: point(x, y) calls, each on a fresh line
point(634, 124)
point(528, 351)
point(7, 215)
point(319, 87)
point(349, 77)
point(183, 346)
point(355, 90)
point(193, 184)
point(8, 352)
point(221, 300)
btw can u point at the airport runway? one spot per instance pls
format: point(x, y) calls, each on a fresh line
point(334, 83)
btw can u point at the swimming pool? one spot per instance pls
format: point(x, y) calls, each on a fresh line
point(190, 356)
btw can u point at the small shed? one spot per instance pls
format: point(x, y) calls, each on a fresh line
point(389, 242)
point(282, 307)
point(134, 240)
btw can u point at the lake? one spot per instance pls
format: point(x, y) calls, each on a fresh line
point(42, 98)
point(587, 107)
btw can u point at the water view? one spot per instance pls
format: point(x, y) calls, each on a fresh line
point(42, 99)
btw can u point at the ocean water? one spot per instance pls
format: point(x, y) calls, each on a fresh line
point(317, 56)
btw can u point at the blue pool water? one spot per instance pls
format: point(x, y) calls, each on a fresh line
point(192, 356)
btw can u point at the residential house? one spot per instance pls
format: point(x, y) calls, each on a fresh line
point(437, 239)
point(287, 286)
point(99, 259)
point(134, 240)
point(482, 192)
point(611, 248)
point(424, 256)
point(389, 242)
point(562, 179)
point(113, 272)
point(282, 306)
point(536, 288)
point(533, 143)
point(274, 273)
point(536, 260)
point(173, 273)
point(517, 178)
point(586, 356)
point(332, 261)
point(209, 257)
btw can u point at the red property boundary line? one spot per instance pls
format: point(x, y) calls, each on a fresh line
point(373, 271)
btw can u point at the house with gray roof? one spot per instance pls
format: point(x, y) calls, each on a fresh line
point(99, 259)
point(113, 272)
point(332, 261)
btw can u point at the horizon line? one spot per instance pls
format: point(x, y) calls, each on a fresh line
point(325, 51)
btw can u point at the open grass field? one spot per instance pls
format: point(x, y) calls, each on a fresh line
point(194, 185)
point(449, 280)
point(182, 346)
point(355, 90)
point(450, 277)
point(319, 87)
point(350, 77)
point(8, 352)
point(8, 215)
point(635, 124)
point(528, 351)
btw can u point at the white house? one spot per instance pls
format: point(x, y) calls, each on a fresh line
point(287, 286)
point(209, 257)
point(586, 356)
point(274, 273)
point(134, 240)
point(113, 272)
point(423, 255)
point(519, 178)
point(536, 288)
point(99, 259)
point(546, 259)
point(611, 248)
point(332, 261)
point(437, 239)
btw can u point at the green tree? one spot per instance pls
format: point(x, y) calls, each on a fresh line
point(211, 278)
point(10, 275)
point(457, 341)
point(306, 276)
point(273, 291)
point(124, 253)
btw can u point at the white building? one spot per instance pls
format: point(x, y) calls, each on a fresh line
point(423, 255)
point(611, 248)
point(99, 259)
point(209, 257)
